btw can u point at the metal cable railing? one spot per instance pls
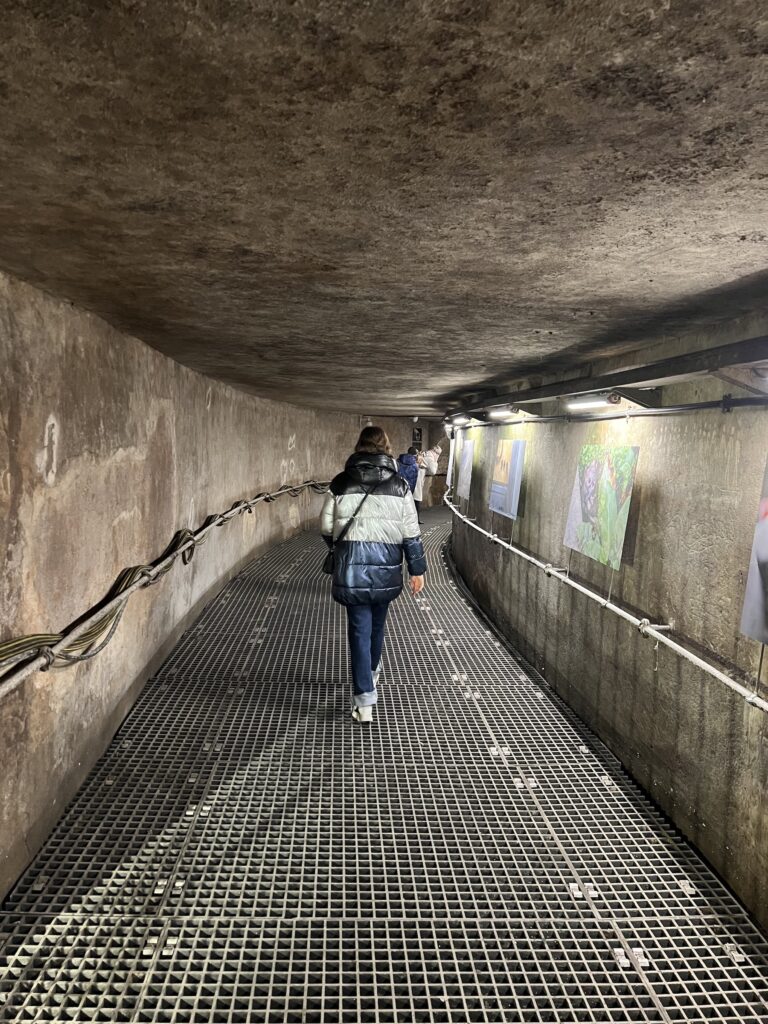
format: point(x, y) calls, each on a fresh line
point(87, 636)
point(644, 626)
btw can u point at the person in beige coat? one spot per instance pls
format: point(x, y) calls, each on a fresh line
point(427, 463)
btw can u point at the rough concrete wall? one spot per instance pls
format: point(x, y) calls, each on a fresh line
point(106, 449)
point(699, 749)
point(521, 186)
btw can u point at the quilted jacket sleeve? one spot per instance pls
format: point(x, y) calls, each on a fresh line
point(327, 517)
point(430, 462)
point(412, 546)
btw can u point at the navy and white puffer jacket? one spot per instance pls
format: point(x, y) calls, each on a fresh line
point(369, 561)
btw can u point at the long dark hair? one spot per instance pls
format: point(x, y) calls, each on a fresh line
point(373, 440)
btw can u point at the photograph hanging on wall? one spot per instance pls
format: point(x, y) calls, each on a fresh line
point(599, 509)
point(754, 614)
point(465, 468)
point(507, 478)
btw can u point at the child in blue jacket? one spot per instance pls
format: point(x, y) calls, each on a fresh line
point(408, 468)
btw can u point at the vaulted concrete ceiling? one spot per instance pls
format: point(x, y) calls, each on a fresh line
point(376, 205)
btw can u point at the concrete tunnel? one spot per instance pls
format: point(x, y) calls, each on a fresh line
point(233, 234)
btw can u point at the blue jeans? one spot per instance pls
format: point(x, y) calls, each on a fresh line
point(366, 639)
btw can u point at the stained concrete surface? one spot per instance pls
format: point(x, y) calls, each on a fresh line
point(697, 747)
point(107, 449)
point(311, 201)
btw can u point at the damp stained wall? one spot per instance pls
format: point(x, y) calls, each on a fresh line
point(106, 449)
point(694, 745)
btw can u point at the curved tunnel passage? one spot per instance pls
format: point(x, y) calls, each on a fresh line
point(231, 236)
point(245, 852)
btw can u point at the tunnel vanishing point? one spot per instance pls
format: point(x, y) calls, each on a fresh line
point(534, 236)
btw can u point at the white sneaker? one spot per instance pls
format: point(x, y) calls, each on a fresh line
point(376, 676)
point(363, 714)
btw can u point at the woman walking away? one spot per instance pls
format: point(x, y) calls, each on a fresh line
point(369, 521)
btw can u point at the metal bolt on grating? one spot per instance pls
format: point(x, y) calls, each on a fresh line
point(636, 957)
point(735, 953)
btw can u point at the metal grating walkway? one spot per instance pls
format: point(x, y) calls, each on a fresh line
point(244, 852)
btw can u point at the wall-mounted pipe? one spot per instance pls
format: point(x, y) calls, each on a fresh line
point(670, 370)
point(644, 626)
point(724, 404)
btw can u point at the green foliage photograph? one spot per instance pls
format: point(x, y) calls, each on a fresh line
point(599, 509)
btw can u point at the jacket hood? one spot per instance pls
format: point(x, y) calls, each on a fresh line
point(370, 468)
point(406, 459)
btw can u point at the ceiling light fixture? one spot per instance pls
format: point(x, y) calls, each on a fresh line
point(502, 412)
point(461, 420)
point(582, 402)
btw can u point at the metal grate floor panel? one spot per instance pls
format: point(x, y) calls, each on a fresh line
point(245, 852)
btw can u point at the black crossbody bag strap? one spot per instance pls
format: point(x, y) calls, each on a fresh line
point(328, 562)
point(349, 522)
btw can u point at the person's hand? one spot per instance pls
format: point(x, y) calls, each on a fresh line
point(417, 584)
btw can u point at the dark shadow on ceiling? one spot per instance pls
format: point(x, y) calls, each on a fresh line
point(632, 328)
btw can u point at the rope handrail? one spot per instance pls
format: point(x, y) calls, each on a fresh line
point(655, 632)
point(80, 640)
